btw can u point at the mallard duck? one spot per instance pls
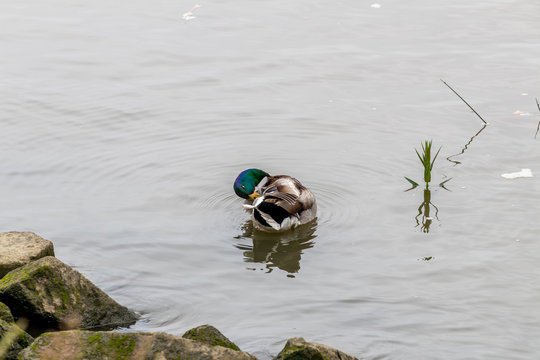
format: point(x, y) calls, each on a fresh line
point(279, 202)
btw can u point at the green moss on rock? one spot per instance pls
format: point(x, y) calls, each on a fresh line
point(54, 295)
point(121, 345)
point(12, 340)
point(5, 313)
point(211, 336)
point(90, 345)
point(299, 349)
point(300, 353)
point(20, 248)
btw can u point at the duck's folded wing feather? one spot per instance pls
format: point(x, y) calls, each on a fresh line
point(275, 208)
point(288, 202)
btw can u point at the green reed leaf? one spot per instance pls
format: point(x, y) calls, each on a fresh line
point(413, 183)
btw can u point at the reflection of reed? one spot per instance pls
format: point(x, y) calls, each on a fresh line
point(424, 210)
point(281, 250)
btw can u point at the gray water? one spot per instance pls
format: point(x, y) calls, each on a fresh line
point(123, 126)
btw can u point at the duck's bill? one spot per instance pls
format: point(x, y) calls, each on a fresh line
point(254, 196)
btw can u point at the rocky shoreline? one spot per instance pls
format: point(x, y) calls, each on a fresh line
point(50, 311)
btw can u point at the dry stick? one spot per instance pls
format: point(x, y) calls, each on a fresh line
point(538, 127)
point(459, 96)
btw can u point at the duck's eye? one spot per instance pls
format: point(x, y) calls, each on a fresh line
point(243, 187)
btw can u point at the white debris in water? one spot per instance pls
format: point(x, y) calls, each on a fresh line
point(189, 15)
point(524, 94)
point(524, 173)
point(376, 6)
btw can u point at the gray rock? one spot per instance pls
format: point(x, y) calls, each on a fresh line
point(12, 340)
point(300, 349)
point(52, 295)
point(5, 314)
point(19, 248)
point(98, 345)
point(211, 336)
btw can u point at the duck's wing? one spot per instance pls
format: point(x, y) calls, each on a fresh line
point(283, 199)
point(307, 199)
point(289, 193)
point(276, 208)
point(288, 202)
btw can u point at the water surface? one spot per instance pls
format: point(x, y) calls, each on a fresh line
point(124, 126)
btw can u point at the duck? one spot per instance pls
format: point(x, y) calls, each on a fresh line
point(277, 203)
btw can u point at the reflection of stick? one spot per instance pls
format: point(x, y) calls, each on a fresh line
point(465, 147)
point(436, 210)
point(459, 96)
point(538, 127)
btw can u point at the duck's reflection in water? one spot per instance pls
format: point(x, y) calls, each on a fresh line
point(281, 250)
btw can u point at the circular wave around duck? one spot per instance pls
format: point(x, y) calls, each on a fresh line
point(334, 208)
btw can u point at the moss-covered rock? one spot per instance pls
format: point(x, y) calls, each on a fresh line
point(12, 340)
point(53, 295)
point(211, 336)
point(299, 349)
point(5, 313)
point(19, 248)
point(98, 345)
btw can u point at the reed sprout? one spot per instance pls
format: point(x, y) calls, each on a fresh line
point(426, 161)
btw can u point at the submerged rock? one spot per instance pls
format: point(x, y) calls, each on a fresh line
point(5, 314)
point(97, 345)
point(53, 295)
point(211, 336)
point(19, 248)
point(13, 339)
point(300, 349)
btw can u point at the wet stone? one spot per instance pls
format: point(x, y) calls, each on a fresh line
point(19, 248)
point(51, 295)
point(5, 313)
point(299, 349)
point(98, 345)
point(12, 340)
point(211, 336)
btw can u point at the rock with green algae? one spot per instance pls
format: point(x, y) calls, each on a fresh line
point(5, 314)
point(52, 295)
point(19, 248)
point(300, 349)
point(13, 340)
point(98, 345)
point(211, 336)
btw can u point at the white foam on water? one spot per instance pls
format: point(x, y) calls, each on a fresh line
point(524, 173)
point(190, 15)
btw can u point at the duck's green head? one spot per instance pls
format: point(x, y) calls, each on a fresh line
point(246, 181)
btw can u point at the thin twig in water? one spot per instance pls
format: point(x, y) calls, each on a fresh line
point(459, 96)
point(538, 127)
